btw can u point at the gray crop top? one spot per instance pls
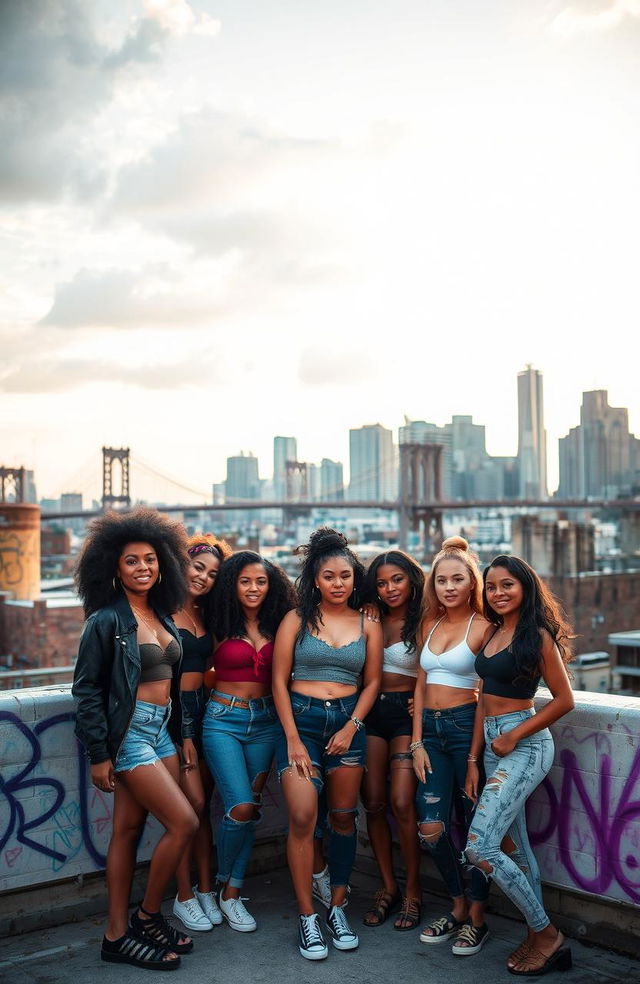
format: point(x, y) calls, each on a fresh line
point(314, 659)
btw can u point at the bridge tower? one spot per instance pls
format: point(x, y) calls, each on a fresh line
point(109, 498)
point(13, 480)
point(420, 492)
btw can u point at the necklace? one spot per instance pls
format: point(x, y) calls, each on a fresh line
point(192, 620)
point(139, 615)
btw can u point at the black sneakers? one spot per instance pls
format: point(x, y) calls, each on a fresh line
point(311, 941)
point(342, 936)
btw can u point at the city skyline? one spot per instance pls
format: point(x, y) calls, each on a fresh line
point(376, 469)
point(227, 221)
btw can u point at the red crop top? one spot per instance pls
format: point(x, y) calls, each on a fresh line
point(237, 661)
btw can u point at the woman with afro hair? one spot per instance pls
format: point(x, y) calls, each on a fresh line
point(130, 576)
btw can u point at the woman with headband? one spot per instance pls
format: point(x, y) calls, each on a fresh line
point(195, 905)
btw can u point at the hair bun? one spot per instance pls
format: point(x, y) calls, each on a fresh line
point(323, 540)
point(455, 543)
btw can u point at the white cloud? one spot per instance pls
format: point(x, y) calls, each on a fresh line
point(178, 17)
point(594, 16)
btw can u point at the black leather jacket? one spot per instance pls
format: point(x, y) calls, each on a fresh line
point(106, 679)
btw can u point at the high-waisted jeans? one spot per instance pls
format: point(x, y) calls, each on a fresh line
point(239, 744)
point(446, 736)
point(501, 810)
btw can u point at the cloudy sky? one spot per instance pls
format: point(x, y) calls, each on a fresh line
point(222, 220)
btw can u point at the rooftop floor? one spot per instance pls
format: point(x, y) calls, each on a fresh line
point(70, 953)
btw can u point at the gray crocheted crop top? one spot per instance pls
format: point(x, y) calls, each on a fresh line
point(314, 659)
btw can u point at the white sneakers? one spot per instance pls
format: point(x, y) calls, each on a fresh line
point(235, 912)
point(321, 888)
point(209, 906)
point(191, 915)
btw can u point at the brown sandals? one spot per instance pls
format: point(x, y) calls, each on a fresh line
point(383, 903)
point(409, 915)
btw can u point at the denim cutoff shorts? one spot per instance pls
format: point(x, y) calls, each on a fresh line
point(317, 720)
point(389, 717)
point(147, 739)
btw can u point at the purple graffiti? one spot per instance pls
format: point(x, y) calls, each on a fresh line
point(25, 831)
point(607, 824)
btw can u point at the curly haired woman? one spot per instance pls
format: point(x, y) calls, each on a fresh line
point(240, 724)
point(326, 676)
point(130, 576)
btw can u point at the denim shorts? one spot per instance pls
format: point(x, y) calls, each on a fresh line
point(147, 739)
point(317, 720)
point(389, 717)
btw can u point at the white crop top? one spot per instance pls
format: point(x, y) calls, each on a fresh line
point(397, 659)
point(453, 668)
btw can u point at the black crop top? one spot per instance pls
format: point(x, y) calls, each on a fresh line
point(157, 663)
point(196, 650)
point(496, 673)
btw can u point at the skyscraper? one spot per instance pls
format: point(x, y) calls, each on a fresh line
point(598, 458)
point(372, 466)
point(532, 437)
point(284, 449)
point(242, 480)
point(331, 480)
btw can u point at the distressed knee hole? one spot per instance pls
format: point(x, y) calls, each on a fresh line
point(243, 812)
point(430, 833)
point(342, 821)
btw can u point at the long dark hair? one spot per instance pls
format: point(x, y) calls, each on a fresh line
point(323, 544)
point(226, 616)
point(415, 575)
point(540, 610)
point(107, 535)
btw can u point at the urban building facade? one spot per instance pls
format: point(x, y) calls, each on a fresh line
point(532, 437)
point(372, 464)
point(600, 457)
point(284, 449)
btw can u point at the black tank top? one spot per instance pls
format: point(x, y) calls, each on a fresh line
point(497, 675)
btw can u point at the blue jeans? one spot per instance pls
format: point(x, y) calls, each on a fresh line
point(317, 720)
point(147, 739)
point(510, 781)
point(239, 744)
point(446, 736)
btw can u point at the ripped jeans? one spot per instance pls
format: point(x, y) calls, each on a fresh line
point(501, 810)
point(239, 744)
point(446, 736)
point(317, 720)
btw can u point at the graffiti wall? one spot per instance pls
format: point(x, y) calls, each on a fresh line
point(585, 818)
point(53, 823)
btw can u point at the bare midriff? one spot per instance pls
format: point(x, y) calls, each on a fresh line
point(438, 697)
point(158, 692)
point(494, 706)
point(322, 690)
point(247, 689)
point(397, 683)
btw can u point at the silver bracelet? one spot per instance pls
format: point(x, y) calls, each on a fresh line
point(414, 745)
point(359, 725)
